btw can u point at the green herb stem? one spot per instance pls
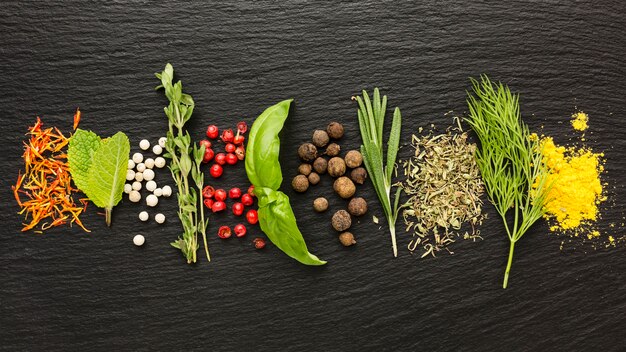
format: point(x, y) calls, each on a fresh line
point(509, 160)
point(183, 165)
point(107, 215)
point(508, 265)
point(371, 115)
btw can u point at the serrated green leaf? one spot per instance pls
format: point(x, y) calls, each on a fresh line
point(79, 152)
point(108, 171)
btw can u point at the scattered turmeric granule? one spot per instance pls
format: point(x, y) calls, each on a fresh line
point(576, 188)
point(611, 242)
point(579, 121)
point(44, 190)
point(593, 234)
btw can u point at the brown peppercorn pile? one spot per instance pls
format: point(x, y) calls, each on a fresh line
point(317, 163)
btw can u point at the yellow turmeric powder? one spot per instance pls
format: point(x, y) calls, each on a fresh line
point(576, 188)
point(579, 121)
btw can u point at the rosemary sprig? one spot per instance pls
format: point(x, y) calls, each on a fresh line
point(508, 158)
point(179, 148)
point(371, 116)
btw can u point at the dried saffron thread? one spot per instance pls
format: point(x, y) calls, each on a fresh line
point(46, 183)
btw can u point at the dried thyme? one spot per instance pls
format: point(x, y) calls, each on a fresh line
point(444, 186)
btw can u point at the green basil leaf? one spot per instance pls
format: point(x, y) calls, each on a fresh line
point(276, 217)
point(262, 165)
point(278, 222)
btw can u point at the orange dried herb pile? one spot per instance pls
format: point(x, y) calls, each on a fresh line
point(44, 191)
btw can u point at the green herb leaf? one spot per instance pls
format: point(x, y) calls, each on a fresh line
point(262, 165)
point(394, 143)
point(179, 148)
point(79, 152)
point(108, 173)
point(371, 122)
point(278, 222)
point(276, 217)
point(508, 159)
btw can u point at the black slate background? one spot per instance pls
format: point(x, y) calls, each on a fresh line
point(68, 290)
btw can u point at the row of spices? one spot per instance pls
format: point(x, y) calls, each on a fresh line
point(439, 194)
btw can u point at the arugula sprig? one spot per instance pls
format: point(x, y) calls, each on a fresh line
point(371, 116)
point(186, 161)
point(508, 158)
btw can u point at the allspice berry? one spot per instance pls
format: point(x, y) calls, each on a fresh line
point(314, 178)
point(336, 167)
point(320, 138)
point(335, 130)
point(358, 175)
point(354, 159)
point(320, 165)
point(307, 152)
point(300, 183)
point(344, 187)
point(357, 206)
point(341, 220)
point(333, 149)
point(320, 204)
point(304, 169)
point(347, 239)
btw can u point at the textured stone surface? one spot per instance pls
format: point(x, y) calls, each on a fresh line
point(68, 290)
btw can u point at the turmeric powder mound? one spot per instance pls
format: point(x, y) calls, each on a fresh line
point(579, 121)
point(576, 188)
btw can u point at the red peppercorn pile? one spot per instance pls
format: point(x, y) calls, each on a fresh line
point(220, 199)
point(234, 150)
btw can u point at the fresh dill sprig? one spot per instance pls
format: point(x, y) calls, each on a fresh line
point(371, 115)
point(508, 158)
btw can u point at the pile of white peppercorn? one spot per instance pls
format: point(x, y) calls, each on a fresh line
point(140, 171)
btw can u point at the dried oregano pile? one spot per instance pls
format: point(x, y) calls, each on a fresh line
point(444, 186)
